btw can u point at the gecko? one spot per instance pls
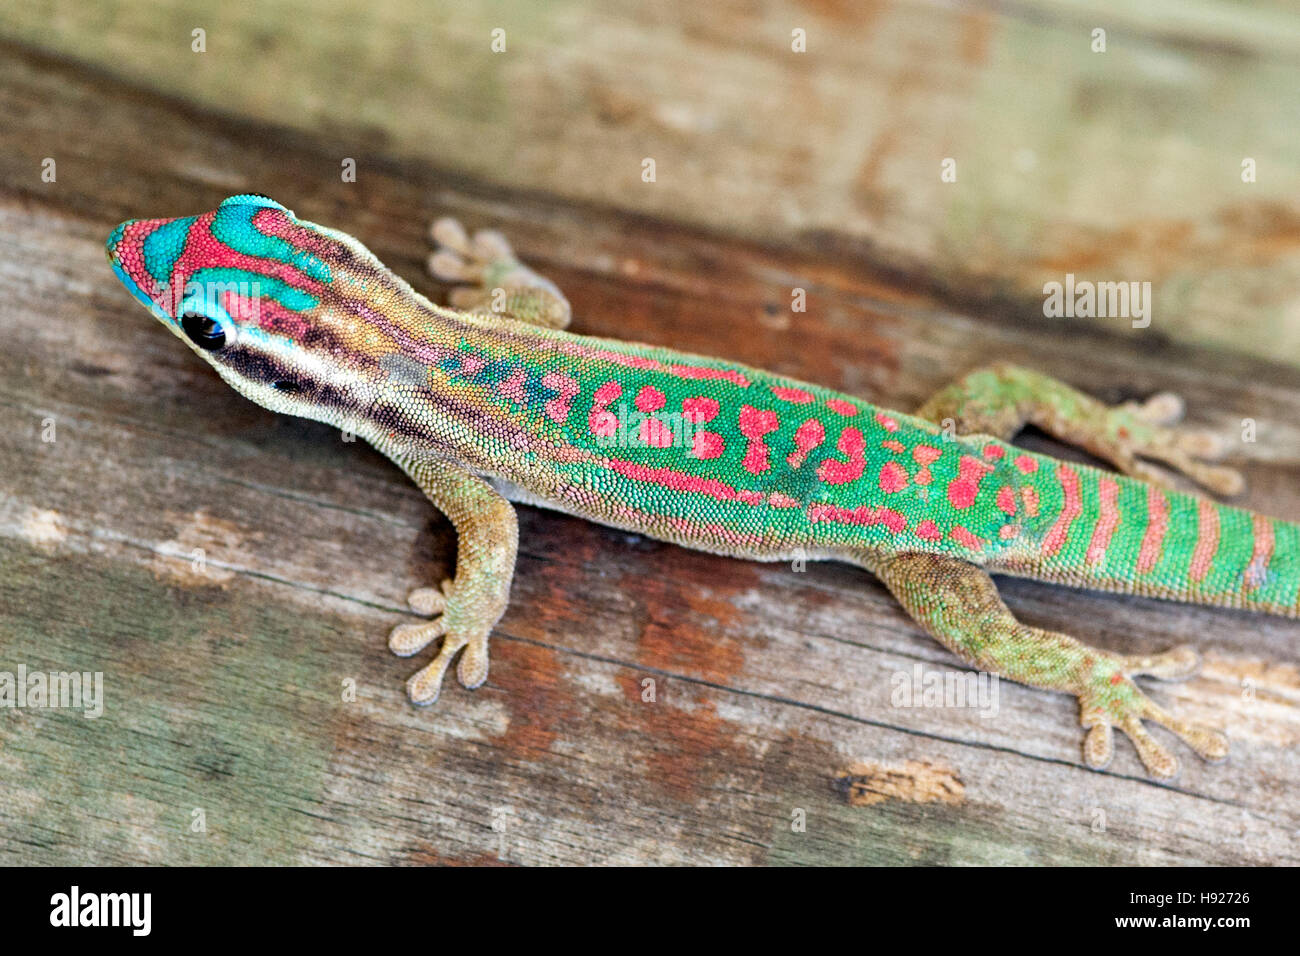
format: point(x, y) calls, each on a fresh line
point(490, 401)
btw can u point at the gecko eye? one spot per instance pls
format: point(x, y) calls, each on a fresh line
point(203, 331)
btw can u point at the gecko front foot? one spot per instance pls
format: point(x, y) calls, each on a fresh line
point(1111, 700)
point(407, 639)
point(495, 281)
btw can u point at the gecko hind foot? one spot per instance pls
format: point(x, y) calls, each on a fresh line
point(1112, 701)
point(407, 639)
point(493, 280)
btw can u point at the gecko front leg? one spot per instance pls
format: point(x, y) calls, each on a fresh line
point(468, 606)
point(496, 283)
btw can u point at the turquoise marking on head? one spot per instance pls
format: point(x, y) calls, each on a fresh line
point(164, 246)
point(233, 225)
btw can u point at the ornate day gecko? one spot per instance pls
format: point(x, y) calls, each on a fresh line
point(492, 401)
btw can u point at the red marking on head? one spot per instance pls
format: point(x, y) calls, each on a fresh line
point(993, 452)
point(841, 407)
point(886, 422)
point(928, 530)
point(893, 477)
point(754, 424)
point(806, 437)
point(202, 250)
point(649, 399)
point(853, 445)
point(926, 454)
point(896, 447)
point(796, 395)
point(1026, 464)
point(1060, 530)
point(1107, 520)
point(557, 409)
point(963, 489)
point(1006, 500)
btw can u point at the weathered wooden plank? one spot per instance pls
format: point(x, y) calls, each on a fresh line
point(1122, 165)
point(224, 682)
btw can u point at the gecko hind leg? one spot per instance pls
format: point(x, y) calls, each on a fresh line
point(495, 281)
point(1000, 399)
point(959, 605)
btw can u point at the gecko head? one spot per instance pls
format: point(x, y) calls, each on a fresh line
point(289, 313)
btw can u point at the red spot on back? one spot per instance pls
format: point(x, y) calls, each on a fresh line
point(601, 421)
point(841, 407)
point(754, 424)
point(1007, 500)
point(806, 437)
point(993, 452)
point(964, 538)
point(697, 410)
point(557, 409)
point(965, 487)
point(513, 387)
point(889, 424)
point(796, 395)
point(928, 530)
point(649, 399)
point(655, 433)
point(1026, 464)
point(852, 445)
point(896, 447)
point(893, 477)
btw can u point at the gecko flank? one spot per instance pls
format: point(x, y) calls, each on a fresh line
point(491, 401)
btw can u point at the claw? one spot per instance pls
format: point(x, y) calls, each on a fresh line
point(1113, 701)
point(450, 233)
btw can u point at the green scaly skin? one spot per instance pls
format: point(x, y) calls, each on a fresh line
point(493, 401)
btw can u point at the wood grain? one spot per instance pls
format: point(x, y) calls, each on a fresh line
point(1122, 165)
point(224, 680)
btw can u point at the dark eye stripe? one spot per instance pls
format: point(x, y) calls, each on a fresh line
point(203, 331)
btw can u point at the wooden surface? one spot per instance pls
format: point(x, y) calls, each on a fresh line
point(224, 683)
point(1123, 165)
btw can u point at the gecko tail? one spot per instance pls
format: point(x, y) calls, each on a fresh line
point(1109, 532)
